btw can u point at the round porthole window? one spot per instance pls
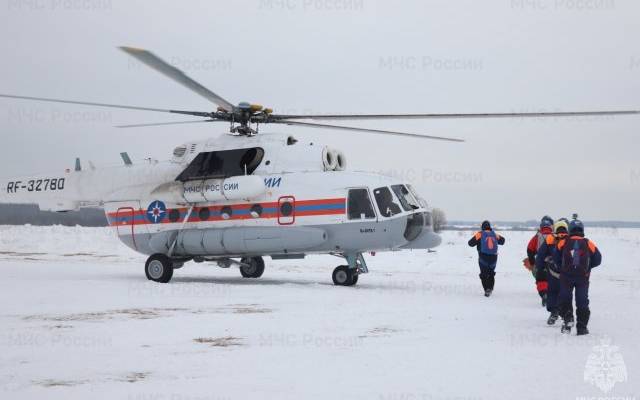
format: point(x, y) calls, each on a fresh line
point(256, 211)
point(286, 209)
point(174, 215)
point(204, 213)
point(226, 212)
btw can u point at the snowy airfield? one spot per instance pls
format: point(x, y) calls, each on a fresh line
point(80, 320)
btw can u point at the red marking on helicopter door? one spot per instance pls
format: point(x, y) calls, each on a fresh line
point(125, 217)
point(286, 210)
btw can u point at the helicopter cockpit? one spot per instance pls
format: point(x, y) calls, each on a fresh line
point(391, 201)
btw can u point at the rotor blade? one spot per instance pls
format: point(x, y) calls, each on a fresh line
point(166, 123)
point(457, 115)
point(155, 62)
point(88, 103)
point(375, 131)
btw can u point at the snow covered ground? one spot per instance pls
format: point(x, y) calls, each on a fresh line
point(79, 320)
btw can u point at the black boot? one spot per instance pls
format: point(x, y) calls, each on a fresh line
point(543, 296)
point(583, 315)
point(488, 281)
point(491, 281)
point(485, 283)
point(552, 318)
point(567, 316)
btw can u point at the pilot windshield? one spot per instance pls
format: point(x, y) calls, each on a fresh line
point(409, 203)
point(421, 201)
point(386, 203)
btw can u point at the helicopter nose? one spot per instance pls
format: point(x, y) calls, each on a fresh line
point(419, 232)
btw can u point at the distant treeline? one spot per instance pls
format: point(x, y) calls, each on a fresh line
point(20, 214)
point(532, 225)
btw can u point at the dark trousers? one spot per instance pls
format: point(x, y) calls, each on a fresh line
point(553, 295)
point(487, 270)
point(579, 284)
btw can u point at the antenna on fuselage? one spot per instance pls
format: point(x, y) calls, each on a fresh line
point(126, 159)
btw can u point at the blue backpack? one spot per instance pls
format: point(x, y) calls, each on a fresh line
point(489, 243)
point(576, 257)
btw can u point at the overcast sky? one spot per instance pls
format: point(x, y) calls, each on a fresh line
point(349, 56)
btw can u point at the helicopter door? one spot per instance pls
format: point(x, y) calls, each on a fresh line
point(125, 217)
point(286, 210)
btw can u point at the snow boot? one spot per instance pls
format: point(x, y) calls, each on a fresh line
point(552, 318)
point(582, 331)
point(566, 327)
point(583, 315)
point(487, 292)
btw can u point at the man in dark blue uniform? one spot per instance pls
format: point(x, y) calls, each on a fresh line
point(576, 256)
point(544, 260)
point(487, 241)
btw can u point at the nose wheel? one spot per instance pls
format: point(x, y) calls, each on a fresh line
point(347, 275)
point(344, 276)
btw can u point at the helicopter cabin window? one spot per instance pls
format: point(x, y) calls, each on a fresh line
point(286, 209)
point(204, 214)
point(386, 203)
point(223, 164)
point(256, 211)
point(408, 202)
point(359, 205)
point(174, 215)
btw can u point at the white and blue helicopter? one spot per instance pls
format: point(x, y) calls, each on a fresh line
point(237, 198)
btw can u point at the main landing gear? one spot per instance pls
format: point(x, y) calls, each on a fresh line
point(159, 268)
point(251, 267)
point(347, 275)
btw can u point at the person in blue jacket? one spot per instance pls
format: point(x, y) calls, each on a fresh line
point(576, 256)
point(544, 260)
point(487, 241)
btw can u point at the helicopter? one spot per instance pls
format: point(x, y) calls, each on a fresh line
point(234, 199)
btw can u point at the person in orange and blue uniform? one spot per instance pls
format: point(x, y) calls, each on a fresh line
point(546, 229)
point(545, 261)
point(576, 256)
point(487, 241)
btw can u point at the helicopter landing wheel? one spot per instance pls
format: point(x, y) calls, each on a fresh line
point(344, 276)
point(254, 267)
point(159, 268)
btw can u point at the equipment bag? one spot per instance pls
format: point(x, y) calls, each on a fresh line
point(489, 243)
point(576, 257)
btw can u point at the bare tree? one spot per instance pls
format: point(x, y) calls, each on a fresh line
point(439, 219)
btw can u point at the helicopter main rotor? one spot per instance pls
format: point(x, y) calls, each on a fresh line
point(245, 117)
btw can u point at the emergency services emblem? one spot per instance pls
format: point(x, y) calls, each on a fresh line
point(605, 366)
point(156, 211)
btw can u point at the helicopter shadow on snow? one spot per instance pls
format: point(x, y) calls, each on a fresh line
point(391, 286)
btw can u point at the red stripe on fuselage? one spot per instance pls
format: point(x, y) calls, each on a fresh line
point(194, 217)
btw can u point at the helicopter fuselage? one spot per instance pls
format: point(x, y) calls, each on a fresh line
point(241, 197)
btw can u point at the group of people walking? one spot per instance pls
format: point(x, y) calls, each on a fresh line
point(560, 259)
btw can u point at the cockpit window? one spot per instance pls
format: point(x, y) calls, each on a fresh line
point(386, 203)
point(409, 203)
point(359, 205)
point(415, 194)
point(223, 164)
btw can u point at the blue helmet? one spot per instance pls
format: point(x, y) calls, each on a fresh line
point(576, 227)
point(546, 222)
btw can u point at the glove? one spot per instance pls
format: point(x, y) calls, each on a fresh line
point(527, 264)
